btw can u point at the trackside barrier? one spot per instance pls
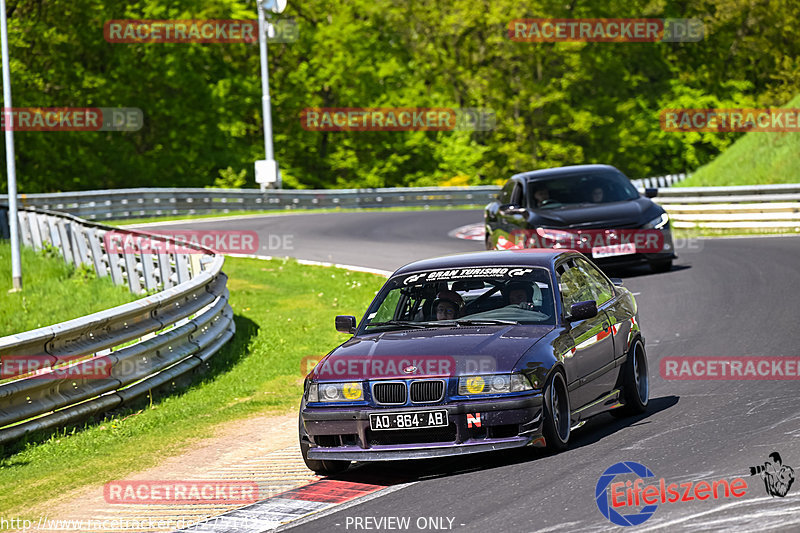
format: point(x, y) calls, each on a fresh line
point(739, 207)
point(183, 320)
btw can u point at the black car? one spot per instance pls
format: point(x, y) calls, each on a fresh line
point(473, 353)
point(594, 209)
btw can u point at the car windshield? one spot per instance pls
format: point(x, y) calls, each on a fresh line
point(464, 297)
point(585, 188)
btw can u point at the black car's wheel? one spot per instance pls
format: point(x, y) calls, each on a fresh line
point(661, 266)
point(635, 382)
point(557, 420)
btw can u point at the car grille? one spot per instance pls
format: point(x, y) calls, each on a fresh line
point(427, 391)
point(413, 436)
point(390, 393)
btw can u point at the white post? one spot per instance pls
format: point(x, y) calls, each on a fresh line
point(13, 220)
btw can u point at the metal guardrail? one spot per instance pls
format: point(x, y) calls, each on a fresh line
point(100, 361)
point(153, 202)
point(133, 203)
point(737, 207)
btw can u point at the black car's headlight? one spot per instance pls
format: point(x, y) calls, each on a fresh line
point(351, 391)
point(659, 222)
point(493, 384)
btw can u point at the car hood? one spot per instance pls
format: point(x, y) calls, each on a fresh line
point(626, 214)
point(435, 351)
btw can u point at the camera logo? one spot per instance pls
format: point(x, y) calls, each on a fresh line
point(778, 477)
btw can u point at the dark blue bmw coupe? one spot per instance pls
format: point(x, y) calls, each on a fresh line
point(472, 353)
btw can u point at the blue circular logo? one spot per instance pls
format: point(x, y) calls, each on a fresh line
point(601, 494)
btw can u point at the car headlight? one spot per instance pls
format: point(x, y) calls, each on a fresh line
point(659, 222)
point(493, 384)
point(335, 392)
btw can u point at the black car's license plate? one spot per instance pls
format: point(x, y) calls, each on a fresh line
point(409, 420)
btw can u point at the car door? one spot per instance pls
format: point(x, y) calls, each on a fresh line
point(591, 357)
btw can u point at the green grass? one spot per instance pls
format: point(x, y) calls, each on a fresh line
point(756, 158)
point(283, 311)
point(167, 218)
point(52, 291)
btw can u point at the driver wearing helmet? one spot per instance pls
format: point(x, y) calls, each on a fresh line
point(520, 294)
point(448, 305)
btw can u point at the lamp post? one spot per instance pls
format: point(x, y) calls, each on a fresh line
point(13, 221)
point(267, 171)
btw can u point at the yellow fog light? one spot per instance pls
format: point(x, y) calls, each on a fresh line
point(475, 385)
point(352, 391)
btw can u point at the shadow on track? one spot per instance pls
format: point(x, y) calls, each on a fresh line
point(394, 472)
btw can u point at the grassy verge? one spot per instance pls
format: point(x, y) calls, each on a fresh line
point(756, 158)
point(168, 218)
point(283, 311)
point(52, 291)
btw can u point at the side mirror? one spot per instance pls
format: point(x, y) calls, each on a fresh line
point(582, 310)
point(511, 209)
point(346, 323)
point(651, 192)
point(617, 282)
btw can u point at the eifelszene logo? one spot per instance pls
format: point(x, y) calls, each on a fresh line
point(632, 493)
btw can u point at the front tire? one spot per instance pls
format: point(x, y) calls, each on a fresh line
point(635, 382)
point(557, 422)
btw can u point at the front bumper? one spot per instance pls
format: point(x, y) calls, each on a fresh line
point(335, 433)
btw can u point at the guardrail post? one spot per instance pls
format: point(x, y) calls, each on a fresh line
point(97, 253)
point(79, 248)
point(133, 275)
point(182, 266)
point(148, 271)
point(36, 237)
point(24, 227)
point(66, 249)
point(165, 269)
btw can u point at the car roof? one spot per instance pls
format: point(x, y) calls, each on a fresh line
point(562, 171)
point(542, 257)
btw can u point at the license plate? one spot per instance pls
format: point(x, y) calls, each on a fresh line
point(408, 420)
point(613, 249)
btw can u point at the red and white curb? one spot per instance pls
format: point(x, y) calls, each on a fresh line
point(294, 505)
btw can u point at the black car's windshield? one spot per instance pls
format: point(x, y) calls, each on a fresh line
point(473, 296)
point(586, 188)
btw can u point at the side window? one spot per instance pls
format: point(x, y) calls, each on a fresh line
point(517, 196)
point(602, 290)
point(504, 196)
point(573, 287)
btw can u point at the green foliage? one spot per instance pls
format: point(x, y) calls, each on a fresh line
point(756, 158)
point(555, 103)
point(230, 179)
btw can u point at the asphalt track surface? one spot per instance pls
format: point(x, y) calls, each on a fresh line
point(724, 297)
